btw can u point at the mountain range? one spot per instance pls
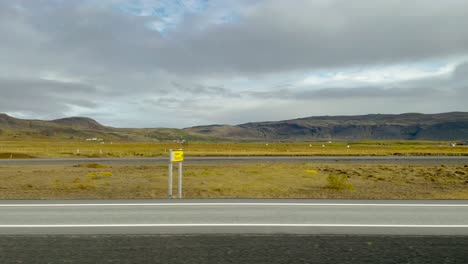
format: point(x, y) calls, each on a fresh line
point(408, 126)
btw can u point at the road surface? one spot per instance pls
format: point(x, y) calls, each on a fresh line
point(234, 231)
point(228, 249)
point(247, 216)
point(202, 160)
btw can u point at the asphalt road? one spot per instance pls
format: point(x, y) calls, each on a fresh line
point(358, 217)
point(234, 231)
point(243, 249)
point(249, 159)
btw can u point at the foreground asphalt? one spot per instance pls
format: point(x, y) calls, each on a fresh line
point(234, 231)
point(246, 159)
point(245, 249)
point(356, 217)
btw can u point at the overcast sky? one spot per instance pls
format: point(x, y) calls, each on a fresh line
point(180, 63)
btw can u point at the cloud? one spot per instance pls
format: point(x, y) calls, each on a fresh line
point(460, 77)
point(347, 93)
point(286, 36)
point(319, 34)
point(461, 72)
point(451, 83)
point(227, 61)
point(43, 97)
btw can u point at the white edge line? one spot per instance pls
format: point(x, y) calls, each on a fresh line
point(232, 204)
point(232, 225)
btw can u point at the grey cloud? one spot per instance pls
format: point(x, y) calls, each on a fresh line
point(460, 76)
point(363, 92)
point(455, 86)
point(71, 33)
point(285, 35)
point(118, 62)
point(163, 101)
point(198, 88)
point(430, 88)
point(343, 93)
point(461, 70)
point(44, 97)
point(195, 89)
point(277, 36)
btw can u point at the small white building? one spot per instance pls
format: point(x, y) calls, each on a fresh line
point(94, 139)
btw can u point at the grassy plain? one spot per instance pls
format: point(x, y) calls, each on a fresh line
point(257, 180)
point(46, 149)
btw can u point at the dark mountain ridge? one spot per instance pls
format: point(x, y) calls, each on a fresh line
point(75, 122)
point(408, 126)
point(72, 127)
point(79, 123)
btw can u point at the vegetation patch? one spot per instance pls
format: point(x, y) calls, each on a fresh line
point(106, 173)
point(85, 186)
point(97, 175)
point(92, 175)
point(338, 182)
point(11, 155)
point(92, 166)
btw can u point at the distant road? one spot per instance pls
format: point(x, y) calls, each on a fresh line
point(246, 216)
point(246, 159)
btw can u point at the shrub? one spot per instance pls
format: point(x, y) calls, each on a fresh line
point(97, 175)
point(91, 175)
point(96, 166)
point(338, 182)
point(106, 173)
point(92, 166)
point(84, 186)
point(205, 172)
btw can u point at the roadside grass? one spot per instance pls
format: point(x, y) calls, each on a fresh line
point(238, 180)
point(45, 149)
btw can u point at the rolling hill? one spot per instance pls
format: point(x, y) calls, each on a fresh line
point(409, 126)
point(81, 128)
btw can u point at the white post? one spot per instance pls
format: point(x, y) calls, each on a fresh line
point(180, 180)
point(169, 191)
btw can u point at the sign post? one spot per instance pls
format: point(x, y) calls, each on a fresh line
point(180, 181)
point(169, 190)
point(177, 156)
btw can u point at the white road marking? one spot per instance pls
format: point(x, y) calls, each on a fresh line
point(233, 204)
point(233, 225)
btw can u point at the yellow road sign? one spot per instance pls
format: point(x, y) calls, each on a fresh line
point(177, 155)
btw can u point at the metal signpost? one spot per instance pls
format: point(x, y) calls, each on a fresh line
point(175, 156)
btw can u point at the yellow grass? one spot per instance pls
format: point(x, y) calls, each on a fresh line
point(259, 180)
point(44, 149)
